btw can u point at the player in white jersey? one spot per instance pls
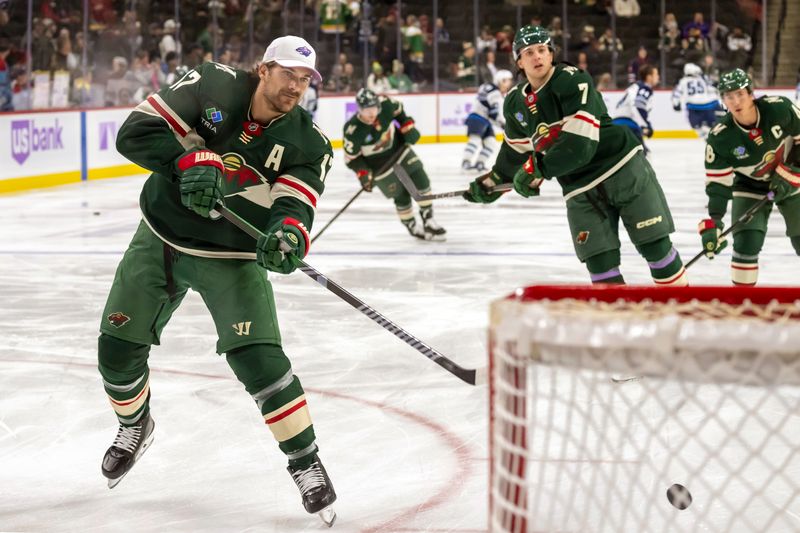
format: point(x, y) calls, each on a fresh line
point(700, 97)
point(633, 109)
point(487, 112)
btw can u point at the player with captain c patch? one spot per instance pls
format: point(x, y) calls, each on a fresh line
point(745, 159)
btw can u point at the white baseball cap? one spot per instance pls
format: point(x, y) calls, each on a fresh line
point(292, 51)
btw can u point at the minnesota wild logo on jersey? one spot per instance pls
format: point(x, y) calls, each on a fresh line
point(743, 158)
point(281, 165)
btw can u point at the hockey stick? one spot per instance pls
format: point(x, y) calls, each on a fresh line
point(405, 179)
point(383, 169)
point(467, 375)
point(744, 219)
point(321, 231)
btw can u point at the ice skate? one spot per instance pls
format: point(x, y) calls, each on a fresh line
point(432, 228)
point(466, 165)
point(316, 490)
point(129, 445)
point(416, 230)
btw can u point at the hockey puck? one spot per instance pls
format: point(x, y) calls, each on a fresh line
point(96, 213)
point(679, 496)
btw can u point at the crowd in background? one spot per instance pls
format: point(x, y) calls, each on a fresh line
point(137, 47)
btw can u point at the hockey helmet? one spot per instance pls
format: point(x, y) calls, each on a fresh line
point(690, 69)
point(366, 98)
point(734, 80)
point(502, 75)
point(530, 35)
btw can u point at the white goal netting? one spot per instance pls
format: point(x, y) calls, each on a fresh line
point(602, 399)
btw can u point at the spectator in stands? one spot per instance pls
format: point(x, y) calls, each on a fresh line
point(642, 58)
point(588, 41)
point(42, 48)
point(488, 68)
point(348, 79)
point(171, 64)
point(64, 58)
point(399, 80)
point(415, 48)
point(505, 38)
point(441, 32)
point(425, 27)
point(608, 42)
point(131, 32)
point(333, 81)
point(168, 42)
point(669, 34)
point(710, 69)
point(20, 88)
point(377, 81)
point(117, 79)
point(627, 8)
point(147, 76)
point(486, 41)
point(193, 56)
point(583, 62)
point(386, 45)
point(6, 103)
point(604, 82)
point(694, 46)
point(696, 23)
point(739, 45)
point(466, 75)
point(556, 29)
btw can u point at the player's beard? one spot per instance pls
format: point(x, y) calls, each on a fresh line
point(283, 100)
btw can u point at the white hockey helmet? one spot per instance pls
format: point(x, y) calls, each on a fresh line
point(501, 75)
point(690, 69)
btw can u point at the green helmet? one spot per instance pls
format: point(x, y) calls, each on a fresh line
point(528, 35)
point(366, 98)
point(733, 80)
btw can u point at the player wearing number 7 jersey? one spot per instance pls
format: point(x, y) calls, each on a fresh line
point(748, 153)
point(219, 135)
point(558, 126)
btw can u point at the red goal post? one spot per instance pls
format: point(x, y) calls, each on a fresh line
point(603, 397)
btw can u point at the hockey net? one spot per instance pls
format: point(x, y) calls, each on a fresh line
point(602, 398)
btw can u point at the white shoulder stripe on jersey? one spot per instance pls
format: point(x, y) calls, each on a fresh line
point(583, 124)
point(171, 114)
point(522, 146)
point(725, 179)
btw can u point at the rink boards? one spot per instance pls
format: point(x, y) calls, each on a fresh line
point(47, 148)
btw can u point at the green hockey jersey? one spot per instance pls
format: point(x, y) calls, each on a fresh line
point(739, 159)
point(272, 170)
point(334, 15)
point(370, 146)
point(567, 124)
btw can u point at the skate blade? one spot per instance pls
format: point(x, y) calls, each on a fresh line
point(328, 515)
point(114, 482)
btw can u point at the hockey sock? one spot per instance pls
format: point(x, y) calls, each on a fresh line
point(266, 374)
point(604, 267)
point(744, 263)
point(406, 213)
point(666, 267)
point(471, 148)
point(489, 146)
point(126, 378)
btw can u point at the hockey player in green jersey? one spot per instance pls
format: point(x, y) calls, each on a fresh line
point(557, 125)
point(371, 140)
point(744, 160)
point(219, 135)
